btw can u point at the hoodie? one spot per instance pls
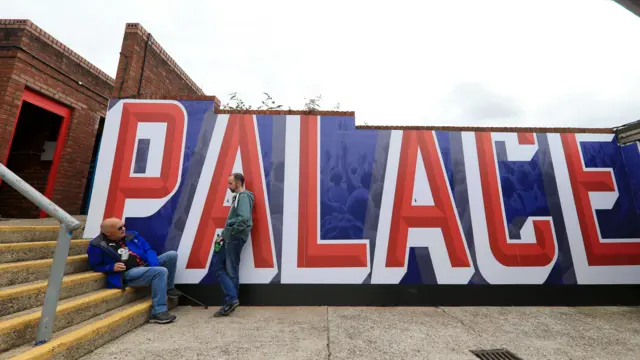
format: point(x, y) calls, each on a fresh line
point(240, 219)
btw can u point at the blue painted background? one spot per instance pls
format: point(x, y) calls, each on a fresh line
point(352, 171)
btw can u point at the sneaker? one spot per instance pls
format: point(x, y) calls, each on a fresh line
point(226, 309)
point(174, 293)
point(162, 318)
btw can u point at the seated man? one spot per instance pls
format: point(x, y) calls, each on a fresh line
point(128, 260)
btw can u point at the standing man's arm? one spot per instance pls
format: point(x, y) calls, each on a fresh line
point(243, 213)
point(244, 207)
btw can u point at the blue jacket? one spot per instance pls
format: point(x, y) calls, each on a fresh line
point(102, 258)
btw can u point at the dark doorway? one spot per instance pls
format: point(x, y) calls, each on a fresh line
point(31, 157)
point(86, 200)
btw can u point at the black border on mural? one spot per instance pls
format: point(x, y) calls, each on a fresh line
point(418, 295)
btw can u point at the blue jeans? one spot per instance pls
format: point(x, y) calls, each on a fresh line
point(159, 277)
point(227, 268)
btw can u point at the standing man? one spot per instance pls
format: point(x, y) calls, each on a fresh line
point(128, 260)
point(229, 245)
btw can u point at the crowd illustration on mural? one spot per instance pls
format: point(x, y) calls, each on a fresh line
point(355, 182)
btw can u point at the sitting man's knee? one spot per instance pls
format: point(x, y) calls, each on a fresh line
point(171, 254)
point(160, 271)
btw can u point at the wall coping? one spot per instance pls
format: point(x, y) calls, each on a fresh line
point(491, 129)
point(377, 127)
point(287, 112)
point(172, 97)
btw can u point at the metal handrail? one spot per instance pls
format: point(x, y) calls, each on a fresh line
point(67, 224)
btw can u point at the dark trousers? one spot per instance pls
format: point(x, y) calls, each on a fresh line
point(227, 268)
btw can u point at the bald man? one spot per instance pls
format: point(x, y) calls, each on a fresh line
point(128, 260)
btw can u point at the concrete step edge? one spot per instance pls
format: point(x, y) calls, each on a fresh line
point(38, 263)
point(21, 228)
point(27, 271)
point(9, 323)
point(21, 297)
point(38, 222)
point(90, 334)
point(41, 285)
point(39, 244)
point(20, 328)
point(40, 250)
point(11, 234)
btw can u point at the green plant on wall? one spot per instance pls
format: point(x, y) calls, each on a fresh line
point(268, 103)
point(236, 103)
point(312, 104)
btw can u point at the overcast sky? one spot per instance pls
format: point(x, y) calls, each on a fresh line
point(446, 62)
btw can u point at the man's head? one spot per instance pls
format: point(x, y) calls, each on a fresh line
point(236, 182)
point(113, 228)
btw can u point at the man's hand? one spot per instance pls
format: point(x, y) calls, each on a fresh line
point(119, 267)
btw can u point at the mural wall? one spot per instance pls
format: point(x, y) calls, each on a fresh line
point(340, 205)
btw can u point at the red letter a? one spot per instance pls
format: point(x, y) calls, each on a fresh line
point(406, 215)
point(240, 133)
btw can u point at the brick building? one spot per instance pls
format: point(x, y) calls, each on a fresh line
point(145, 69)
point(53, 103)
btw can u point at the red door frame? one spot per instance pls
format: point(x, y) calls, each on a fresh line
point(57, 108)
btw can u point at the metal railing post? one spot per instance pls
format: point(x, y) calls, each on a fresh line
point(45, 326)
point(67, 224)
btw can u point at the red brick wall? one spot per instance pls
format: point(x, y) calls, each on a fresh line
point(162, 76)
point(10, 89)
point(30, 57)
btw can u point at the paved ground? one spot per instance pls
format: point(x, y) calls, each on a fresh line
point(302, 333)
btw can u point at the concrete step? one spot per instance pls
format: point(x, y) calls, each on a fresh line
point(37, 250)
point(30, 295)
point(20, 328)
point(34, 222)
point(81, 339)
point(29, 233)
point(28, 271)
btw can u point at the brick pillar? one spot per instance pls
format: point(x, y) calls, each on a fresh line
point(11, 89)
point(162, 75)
